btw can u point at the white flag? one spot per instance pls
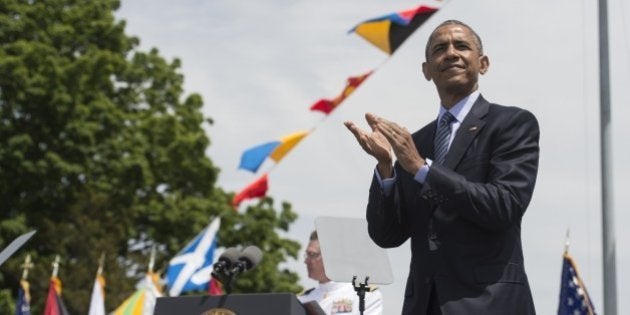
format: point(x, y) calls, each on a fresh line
point(97, 304)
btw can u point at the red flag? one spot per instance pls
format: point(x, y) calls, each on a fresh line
point(326, 106)
point(215, 287)
point(256, 189)
point(54, 304)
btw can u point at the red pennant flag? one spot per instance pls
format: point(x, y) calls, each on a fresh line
point(256, 189)
point(326, 106)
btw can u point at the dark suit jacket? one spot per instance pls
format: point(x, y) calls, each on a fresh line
point(473, 205)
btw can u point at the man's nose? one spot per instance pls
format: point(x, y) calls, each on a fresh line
point(451, 52)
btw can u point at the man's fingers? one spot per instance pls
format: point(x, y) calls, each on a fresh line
point(356, 131)
point(391, 127)
point(359, 134)
point(372, 120)
point(353, 128)
point(386, 127)
point(391, 134)
point(387, 133)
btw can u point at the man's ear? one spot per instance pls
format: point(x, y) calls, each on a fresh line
point(484, 64)
point(425, 71)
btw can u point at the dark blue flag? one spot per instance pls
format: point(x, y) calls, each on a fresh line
point(23, 306)
point(574, 299)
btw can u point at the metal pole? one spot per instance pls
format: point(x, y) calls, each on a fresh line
point(608, 228)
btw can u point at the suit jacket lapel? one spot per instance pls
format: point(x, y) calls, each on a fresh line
point(467, 131)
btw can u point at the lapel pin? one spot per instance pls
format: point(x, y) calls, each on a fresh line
point(472, 129)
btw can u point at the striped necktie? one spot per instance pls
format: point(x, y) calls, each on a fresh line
point(442, 137)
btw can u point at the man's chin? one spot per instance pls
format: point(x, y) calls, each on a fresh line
point(456, 79)
point(457, 85)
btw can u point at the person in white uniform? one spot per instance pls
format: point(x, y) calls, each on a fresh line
point(334, 297)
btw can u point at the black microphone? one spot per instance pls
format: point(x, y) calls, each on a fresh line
point(226, 260)
point(250, 257)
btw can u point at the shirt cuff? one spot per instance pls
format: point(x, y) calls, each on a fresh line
point(387, 185)
point(421, 175)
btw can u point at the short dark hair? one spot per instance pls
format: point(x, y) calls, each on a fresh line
point(313, 236)
point(453, 22)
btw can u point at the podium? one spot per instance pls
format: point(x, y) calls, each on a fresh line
point(239, 304)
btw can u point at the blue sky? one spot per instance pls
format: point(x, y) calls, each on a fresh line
point(259, 65)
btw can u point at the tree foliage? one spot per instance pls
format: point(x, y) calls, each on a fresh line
point(101, 152)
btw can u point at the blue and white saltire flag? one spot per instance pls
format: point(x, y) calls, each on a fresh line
point(190, 269)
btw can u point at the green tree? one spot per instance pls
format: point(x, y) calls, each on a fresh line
point(101, 151)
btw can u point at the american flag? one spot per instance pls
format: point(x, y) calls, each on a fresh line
point(574, 299)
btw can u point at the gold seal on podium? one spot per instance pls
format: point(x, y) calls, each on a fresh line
point(218, 311)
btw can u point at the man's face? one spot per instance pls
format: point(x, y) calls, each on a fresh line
point(454, 61)
point(314, 262)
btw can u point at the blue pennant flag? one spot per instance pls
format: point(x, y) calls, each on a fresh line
point(574, 299)
point(190, 269)
point(253, 157)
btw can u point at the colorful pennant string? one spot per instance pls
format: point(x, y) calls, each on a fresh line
point(387, 33)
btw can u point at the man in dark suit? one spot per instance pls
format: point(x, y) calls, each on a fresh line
point(458, 189)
